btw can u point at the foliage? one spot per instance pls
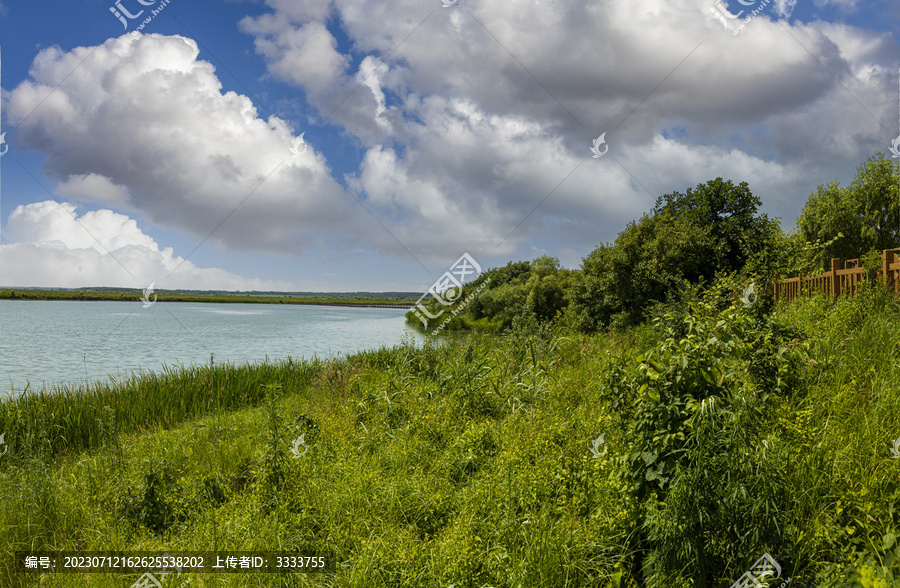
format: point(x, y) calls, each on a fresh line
point(149, 505)
point(693, 406)
point(861, 217)
point(273, 462)
point(537, 288)
point(687, 237)
point(864, 569)
point(787, 254)
point(728, 213)
point(70, 419)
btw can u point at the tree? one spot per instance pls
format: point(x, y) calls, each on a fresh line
point(858, 218)
point(687, 237)
point(729, 212)
point(536, 289)
point(547, 288)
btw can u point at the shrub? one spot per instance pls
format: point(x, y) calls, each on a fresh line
point(151, 504)
point(697, 408)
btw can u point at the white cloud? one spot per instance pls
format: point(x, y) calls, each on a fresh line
point(784, 8)
point(483, 118)
point(49, 245)
point(142, 121)
point(470, 120)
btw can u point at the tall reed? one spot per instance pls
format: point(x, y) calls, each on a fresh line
point(68, 419)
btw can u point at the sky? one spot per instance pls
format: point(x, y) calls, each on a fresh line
point(336, 145)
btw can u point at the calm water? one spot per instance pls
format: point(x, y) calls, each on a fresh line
point(50, 342)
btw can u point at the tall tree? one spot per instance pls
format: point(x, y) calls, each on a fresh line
point(858, 218)
point(691, 236)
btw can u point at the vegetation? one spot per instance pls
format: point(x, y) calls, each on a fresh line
point(687, 239)
point(399, 299)
point(72, 419)
point(535, 290)
point(861, 217)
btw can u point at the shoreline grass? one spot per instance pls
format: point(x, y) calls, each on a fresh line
point(71, 418)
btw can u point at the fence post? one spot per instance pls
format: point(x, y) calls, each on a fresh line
point(775, 286)
point(887, 258)
point(835, 285)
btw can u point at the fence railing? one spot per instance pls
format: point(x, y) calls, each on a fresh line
point(839, 280)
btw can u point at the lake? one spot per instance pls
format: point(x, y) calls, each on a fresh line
point(51, 342)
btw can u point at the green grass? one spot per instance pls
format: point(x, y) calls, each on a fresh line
point(71, 419)
point(466, 464)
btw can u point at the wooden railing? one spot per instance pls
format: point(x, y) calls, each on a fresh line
point(840, 281)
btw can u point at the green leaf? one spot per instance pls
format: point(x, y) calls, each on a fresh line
point(649, 457)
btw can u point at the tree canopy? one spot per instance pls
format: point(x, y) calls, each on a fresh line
point(688, 239)
point(858, 218)
point(688, 236)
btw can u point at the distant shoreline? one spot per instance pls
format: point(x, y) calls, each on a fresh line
point(358, 300)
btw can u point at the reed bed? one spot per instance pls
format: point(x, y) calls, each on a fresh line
point(72, 419)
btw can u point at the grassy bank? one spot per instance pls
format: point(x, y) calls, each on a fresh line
point(68, 420)
point(728, 432)
point(398, 299)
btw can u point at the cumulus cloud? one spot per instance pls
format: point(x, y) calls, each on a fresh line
point(49, 245)
point(479, 112)
point(93, 188)
point(474, 122)
point(142, 121)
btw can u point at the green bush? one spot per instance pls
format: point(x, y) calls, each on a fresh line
point(538, 288)
point(697, 408)
point(152, 504)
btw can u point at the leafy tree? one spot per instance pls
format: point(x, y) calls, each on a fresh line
point(547, 288)
point(729, 213)
point(537, 289)
point(858, 218)
point(687, 237)
point(505, 295)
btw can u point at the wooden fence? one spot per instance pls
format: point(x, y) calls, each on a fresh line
point(840, 281)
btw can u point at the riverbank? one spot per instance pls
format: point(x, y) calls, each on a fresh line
point(399, 300)
point(529, 459)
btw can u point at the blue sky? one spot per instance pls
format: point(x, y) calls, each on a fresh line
point(164, 154)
